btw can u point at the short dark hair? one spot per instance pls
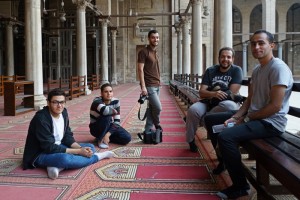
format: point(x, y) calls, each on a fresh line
point(227, 49)
point(151, 32)
point(56, 92)
point(269, 35)
point(104, 86)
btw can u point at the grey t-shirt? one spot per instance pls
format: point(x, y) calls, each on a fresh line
point(276, 72)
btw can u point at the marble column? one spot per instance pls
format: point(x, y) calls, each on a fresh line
point(280, 45)
point(245, 61)
point(179, 50)
point(197, 37)
point(33, 50)
point(186, 49)
point(104, 52)
point(269, 15)
point(222, 26)
point(97, 53)
point(114, 57)
point(10, 49)
point(81, 57)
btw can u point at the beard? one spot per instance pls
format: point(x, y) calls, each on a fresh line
point(225, 66)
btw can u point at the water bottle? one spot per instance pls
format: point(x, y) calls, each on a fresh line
point(220, 127)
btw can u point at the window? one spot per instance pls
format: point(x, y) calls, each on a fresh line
point(236, 18)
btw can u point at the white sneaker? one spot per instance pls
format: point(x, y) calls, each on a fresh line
point(53, 172)
point(103, 145)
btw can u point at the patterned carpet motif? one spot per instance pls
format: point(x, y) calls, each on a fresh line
point(138, 171)
point(149, 172)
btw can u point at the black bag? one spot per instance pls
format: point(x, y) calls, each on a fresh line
point(230, 96)
point(151, 137)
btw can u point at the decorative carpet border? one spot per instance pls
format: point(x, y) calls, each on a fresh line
point(127, 194)
point(162, 152)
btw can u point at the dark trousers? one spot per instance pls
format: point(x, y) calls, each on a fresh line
point(229, 139)
point(103, 125)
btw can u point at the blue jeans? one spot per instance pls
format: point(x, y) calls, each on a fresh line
point(230, 138)
point(103, 125)
point(66, 160)
point(154, 108)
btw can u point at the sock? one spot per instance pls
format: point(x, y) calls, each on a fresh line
point(53, 172)
point(106, 154)
point(102, 145)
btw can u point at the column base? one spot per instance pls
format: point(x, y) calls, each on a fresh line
point(105, 81)
point(87, 91)
point(114, 80)
point(39, 102)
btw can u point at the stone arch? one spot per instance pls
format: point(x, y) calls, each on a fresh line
point(293, 16)
point(237, 28)
point(256, 19)
point(293, 45)
point(237, 21)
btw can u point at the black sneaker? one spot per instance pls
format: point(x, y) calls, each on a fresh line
point(233, 192)
point(219, 169)
point(193, 146)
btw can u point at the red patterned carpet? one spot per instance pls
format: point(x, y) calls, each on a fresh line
point(139, 171)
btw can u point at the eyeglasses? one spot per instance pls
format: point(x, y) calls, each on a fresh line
point(58, 102)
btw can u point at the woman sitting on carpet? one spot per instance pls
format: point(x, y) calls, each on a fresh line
point(50, 143)
point(105, 119)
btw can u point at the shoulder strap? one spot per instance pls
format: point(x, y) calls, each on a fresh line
point(139, 113)
point(140, 136)
point(147, 52)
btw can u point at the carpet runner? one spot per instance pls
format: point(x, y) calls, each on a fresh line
point(139, 171)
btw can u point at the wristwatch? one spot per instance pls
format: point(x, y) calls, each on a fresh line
point(246, 119)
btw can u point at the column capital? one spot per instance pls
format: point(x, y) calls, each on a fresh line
point(81, 4)
point(185, 20)
point(177, 27)
point(195, 2)
point(178, 30)
point(10, 23)
point(245, 44)
point(114, 33)
point(78, 1)
point(114, 28)
point(104, 22)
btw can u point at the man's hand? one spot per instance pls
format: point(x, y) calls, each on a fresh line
point(115, 111)
point(86, 152)
point(234, 120)
point(144, 91)
point(220, 95)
